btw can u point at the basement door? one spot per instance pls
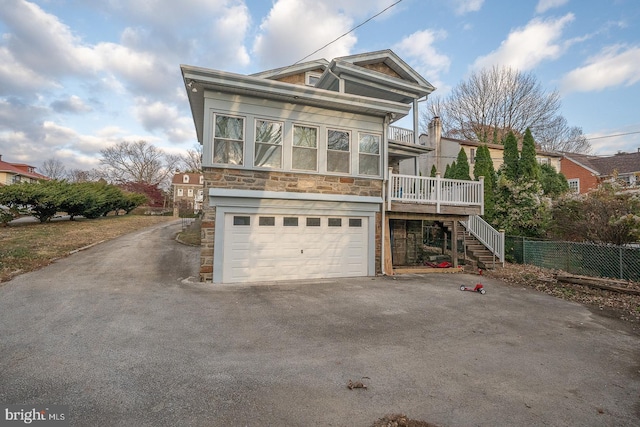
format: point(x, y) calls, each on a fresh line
point(261, 247)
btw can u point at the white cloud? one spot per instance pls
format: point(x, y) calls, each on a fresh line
point(74, 104)
point(544, 5)
point(465, 6)
point(280, 43)
point(158, 116)
point(418, 49)
point(526, 47)
point(613, 66)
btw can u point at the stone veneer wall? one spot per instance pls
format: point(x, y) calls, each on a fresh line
point(242, 179)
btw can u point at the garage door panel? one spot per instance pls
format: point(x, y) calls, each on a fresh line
point(257, 252)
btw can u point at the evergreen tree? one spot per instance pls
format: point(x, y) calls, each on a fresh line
point(450, 172)
point(462, 166)
point(511, 157)
point(483, 166)
point(528, 168)
point(553, 183)
point(434, 171)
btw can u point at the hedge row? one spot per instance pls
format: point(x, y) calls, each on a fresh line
point(45, 199)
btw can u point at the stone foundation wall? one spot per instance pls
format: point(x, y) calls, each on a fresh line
point(282, 182)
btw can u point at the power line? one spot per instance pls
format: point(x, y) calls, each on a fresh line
point(614, 135)
point(348, 32)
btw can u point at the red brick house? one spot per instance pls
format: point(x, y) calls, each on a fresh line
point(585, 172)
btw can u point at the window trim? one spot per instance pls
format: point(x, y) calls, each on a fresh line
point(379, 155)
point(293, 146)
point(243, 141)
point(309, 75)
point(327, 150)
point(575, 181)
point(281, 145)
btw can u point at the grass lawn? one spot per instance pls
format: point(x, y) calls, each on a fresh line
point(27, 247)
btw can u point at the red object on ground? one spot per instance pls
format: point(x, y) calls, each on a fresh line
point(443, 264)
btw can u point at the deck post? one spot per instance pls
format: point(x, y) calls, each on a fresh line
point(454, 244)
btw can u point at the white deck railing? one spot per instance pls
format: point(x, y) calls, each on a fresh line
point(487, 235)
point(400, 135)
point(437, 191)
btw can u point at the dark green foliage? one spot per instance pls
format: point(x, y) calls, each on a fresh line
point(528, 167)
point(447, 171)
point(462, 166)
point(483, 166)
point(511, 157)
point(45, 199)
point(434, 171)
point(519, 208)
point(553, 183)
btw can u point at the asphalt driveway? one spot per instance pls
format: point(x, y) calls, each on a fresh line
point(124, 336)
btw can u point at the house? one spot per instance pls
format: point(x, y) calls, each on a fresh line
point(13, 173)
point(445, 151)
point(585, 172)
point(300, 168)
point(188, 191)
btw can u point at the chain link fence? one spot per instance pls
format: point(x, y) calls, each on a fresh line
point(587, 259)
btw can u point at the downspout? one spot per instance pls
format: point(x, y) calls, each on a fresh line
point(416, 136)
point(385, 179)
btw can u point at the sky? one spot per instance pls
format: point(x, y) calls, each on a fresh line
point(78, 76)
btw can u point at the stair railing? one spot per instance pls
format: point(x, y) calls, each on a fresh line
point(491, 238)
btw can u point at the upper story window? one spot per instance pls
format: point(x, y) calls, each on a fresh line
point(201, 179)
point(180, 192)
point(190, 192)
point(369, 154)
point(185, 178)
point(338, 151)
point(472, 155)
point(228, 141)
point(304, 154)
point(544, 160)
point(311, 78)
point(268, 146)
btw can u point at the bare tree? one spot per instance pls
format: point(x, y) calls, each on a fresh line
point(559, 136)
point(493, 102)
point(138, 162)
point(78, 175)
point(53, 168)
point(192, 160)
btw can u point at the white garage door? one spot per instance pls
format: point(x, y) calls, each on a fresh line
point(284, 247)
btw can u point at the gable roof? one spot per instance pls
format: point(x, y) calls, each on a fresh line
point(194, 178)
point(498, 146)
point(349, 84)
point(623, 163)
point(363, 74)
point(21, 169)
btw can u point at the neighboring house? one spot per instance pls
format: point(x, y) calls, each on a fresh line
point(14, 173)
point(445, 151)
point(585, 172)
point(188, 192)
point(300, 168)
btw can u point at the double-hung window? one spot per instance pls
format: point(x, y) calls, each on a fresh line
point(338, 151)
point(268, 147)
point(228, 141)
point(305, 148)
point(369, 154)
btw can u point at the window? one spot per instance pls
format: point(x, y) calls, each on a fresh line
point(472, 155)
point(355, 222)
point(574, 184)
point(228, 141)
point(241, 220)
point(290, 221)
point(311, 78)
point(267, 221)
point(180, 192)
point(543, 160)
point(369, 157)
point(190, 192)
point(305, 148)
point(201, 179)
point(313, 222)
point(268, 148)
point(335, 222)
point(185, 178)
point(338, 151)
point(200, 193)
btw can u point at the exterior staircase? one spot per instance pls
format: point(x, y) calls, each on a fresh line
point(475, 251)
